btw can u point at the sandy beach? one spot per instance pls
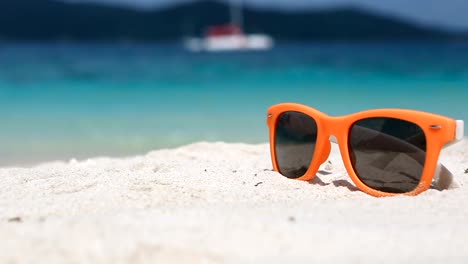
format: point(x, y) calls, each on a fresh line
point(221, 203)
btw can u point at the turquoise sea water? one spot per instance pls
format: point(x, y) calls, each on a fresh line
point(65, 100)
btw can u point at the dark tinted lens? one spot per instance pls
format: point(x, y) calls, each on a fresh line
point(296, 134)
point(388, 154)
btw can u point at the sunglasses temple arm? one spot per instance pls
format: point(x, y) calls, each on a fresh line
point(459, 133)
point(444, 179)
point(460, 130)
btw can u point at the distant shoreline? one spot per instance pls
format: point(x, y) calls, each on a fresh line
point(178, 42)
point(54, 20)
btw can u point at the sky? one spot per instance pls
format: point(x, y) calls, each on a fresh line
point(448, 14)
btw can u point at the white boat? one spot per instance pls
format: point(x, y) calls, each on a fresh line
point(229, 37)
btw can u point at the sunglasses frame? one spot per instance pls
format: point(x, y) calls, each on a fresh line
point(439, 130)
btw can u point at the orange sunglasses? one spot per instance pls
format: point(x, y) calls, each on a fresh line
point(385, 151)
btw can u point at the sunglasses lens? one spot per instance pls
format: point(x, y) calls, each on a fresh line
point(296, 135)
point(388, 154)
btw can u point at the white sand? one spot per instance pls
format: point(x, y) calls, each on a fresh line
point(220, 203)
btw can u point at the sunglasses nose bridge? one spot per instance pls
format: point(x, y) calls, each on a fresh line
point(329, 131)
point(332, 128)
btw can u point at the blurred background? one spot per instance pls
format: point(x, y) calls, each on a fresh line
point(83, 78)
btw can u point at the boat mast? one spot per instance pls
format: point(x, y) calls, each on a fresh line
point(236, 13)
